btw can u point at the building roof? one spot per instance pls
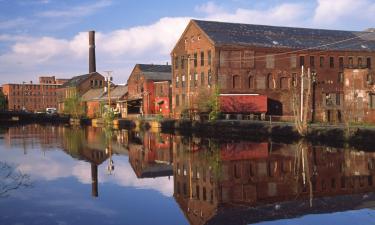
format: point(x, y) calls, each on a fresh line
point(156, 72)
point(287, 37)
point(100, 94)
point(74, 81)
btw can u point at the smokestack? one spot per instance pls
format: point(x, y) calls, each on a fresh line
point(92, 60)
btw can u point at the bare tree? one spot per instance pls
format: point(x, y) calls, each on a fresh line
point(12, 179)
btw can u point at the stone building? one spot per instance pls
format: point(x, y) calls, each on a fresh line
point(149, 89)
point(256, 60)
point(33, 97)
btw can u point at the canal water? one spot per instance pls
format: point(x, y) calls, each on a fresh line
point(66, 175)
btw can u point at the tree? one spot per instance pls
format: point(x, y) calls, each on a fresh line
point(3, 101)
point(300, 113)
point(73, 106)
point(208, 102)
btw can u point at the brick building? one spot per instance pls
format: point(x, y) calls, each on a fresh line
point(266, 61)
point(149, 89)
point(33, 97)
point(78, 85)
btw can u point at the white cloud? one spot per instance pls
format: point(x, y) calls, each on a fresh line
point(76, 11)
point(209, 8)
point(15, 23)
point(283, 14)
point(343, 12)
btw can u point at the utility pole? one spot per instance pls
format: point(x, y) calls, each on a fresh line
point(302, 78)
point(108, 78)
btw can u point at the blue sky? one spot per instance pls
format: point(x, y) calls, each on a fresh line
point(48, 37)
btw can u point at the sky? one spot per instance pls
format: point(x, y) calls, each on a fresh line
point(49, 37)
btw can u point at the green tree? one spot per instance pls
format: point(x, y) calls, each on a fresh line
point(74, 107)
point(208, 102)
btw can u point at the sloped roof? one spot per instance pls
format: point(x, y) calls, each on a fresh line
point(74, 81)
point(99, 94)
point(156, 72)
point(288, 37)
point(155, 68)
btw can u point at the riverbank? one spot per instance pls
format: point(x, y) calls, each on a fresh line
point(334, 135)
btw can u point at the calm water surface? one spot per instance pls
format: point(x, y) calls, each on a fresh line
point(64, 175)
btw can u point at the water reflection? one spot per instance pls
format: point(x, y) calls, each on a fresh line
point(12, 179)
point(212, 181)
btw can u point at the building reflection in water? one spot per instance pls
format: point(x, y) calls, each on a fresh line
point(212, 179)
point(223, 181)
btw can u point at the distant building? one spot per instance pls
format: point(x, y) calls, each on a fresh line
point(149, 88)
point(256, 60)
point(33, 97)
point(78, 85)
point(95, 98)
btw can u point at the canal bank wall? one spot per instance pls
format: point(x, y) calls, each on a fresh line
point(362, 137)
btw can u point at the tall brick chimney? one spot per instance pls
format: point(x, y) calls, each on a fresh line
point(92, 60)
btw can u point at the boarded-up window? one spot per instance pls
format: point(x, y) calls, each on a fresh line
point(270, 61)
point(293, 61)
point(235, 59)
point(251, 82)
point(222, 80)
point(248, 59)
point(284, 83)
point(235, 82)
point(372, 100)
point(269, 81)
point(261, 83)
point(224, 58)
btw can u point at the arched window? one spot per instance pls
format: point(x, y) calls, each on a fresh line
point(269, 81)
point(251, 82)
point(284, 83)
point(236, 81)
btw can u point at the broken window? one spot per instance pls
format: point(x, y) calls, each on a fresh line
point(350, 62)
point(341, 62)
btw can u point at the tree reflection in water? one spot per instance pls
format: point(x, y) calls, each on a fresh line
point(12, 179)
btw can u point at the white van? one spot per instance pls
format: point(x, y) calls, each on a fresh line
point(51, 111)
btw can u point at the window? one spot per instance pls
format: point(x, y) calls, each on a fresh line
point(350, 62)
point(293, 61)
point(92, 83)
point(341, 62)
point(331, 62)
point(177, 80)
point(270, 61)
point(101, 83)
point(340, 78)
point(195, 59)
point(182, 60)
point(183, 81)
point(195, 79)
point(251, 82)
point(209, 77)
point(197, 191)
point(202, 78)
point(372, 100)
point(209, 57)
point(302, 60)
point(284, 83)
point(176, 62)
point(183, 99)
point(236, 81)
point(338, 99)
point(321, 61)
point(269, 83)
point(177, 100)
point(360, 62)
point(312, 61)
point(202, 58)
point(369, 62)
